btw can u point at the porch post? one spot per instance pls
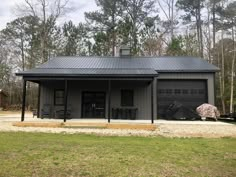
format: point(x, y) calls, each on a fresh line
point(154, 99)
point(39, 95)
point(109, 101)
point(65, 100)
point(23, 101)
point(152, 102)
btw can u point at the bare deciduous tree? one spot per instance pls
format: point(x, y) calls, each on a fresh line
point(48, 11)
point(169, 9)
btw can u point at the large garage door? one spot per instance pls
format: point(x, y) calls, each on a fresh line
point(191, 93)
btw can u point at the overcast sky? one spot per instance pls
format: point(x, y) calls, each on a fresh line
point(79, 6)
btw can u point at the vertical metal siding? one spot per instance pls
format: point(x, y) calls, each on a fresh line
point(47, 93)
point(142, 94)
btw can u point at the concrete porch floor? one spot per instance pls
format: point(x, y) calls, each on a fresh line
point(29, 118)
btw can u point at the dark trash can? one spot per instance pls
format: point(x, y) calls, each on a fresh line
point(123, 113)
point(119, 113)
point(126, 114)
point(114, 113)
point(133, 114)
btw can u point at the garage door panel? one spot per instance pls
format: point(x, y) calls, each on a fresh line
point(191, 93)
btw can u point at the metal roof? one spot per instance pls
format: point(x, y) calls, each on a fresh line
point(76, 65)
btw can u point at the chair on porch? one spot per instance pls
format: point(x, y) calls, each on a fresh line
point(34, 112)
point(46, 111)
point(124, 113)
point(59, 112)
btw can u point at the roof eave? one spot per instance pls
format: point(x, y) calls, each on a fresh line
point(85, 75)
point(188, 71)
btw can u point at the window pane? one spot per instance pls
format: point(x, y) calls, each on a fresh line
point(177, 91)
point(168, 91)
point(59, 97)
point(59, 93)
point(161, 91)
point(59, 101)
point(201, 91)
point(193, 91)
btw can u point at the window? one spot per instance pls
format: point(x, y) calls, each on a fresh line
point(177, 91)
point(193, 91)
point(161, 91)
point(185, 91)
point(201, 91)
point(168, 91)
point(59, 97)
point(127, 97)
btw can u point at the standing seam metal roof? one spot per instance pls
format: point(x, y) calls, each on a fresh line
point(117, 65)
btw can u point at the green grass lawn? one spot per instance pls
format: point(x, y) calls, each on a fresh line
point(41, 154)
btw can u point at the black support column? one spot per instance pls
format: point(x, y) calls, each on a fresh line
point(23, 101)
point(154, 99)
point(39, 95)
point(65, 99)
point(109, 101)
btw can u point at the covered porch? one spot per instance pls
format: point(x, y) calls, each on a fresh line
point(95, 98)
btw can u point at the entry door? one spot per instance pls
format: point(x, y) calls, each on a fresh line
point(93, 105)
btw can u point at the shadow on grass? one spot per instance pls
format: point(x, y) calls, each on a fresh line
point(231, 121)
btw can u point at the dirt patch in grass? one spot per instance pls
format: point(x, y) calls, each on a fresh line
point(9, 112)
point(150, 127)
point(13, 113)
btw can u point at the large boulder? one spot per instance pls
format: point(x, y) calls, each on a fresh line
point(208, 111)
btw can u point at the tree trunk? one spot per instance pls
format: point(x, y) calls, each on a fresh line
point(209, 35)
point(213, 23)
point(44, 32)
point(200, 28)
point(113, 36)
point(222, 73)
point(232, 75)
point(172, 20)
point(135, 40)
point(22, 53)
point(198, 32)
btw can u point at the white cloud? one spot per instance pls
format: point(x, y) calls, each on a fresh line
point(76, 14)
point(78, 8)
point(6, 11)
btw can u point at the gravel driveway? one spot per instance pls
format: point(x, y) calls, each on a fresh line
point(164, 128)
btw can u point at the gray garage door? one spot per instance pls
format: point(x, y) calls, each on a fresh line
point(191, 93)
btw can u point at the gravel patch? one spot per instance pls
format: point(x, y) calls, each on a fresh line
point(187, 130)
point(164, 128)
